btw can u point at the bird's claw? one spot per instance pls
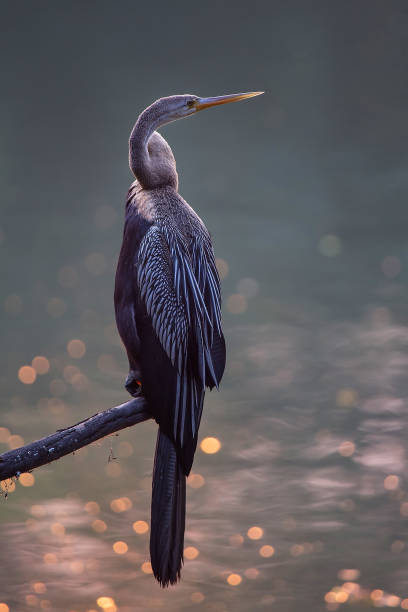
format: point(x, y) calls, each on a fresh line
point(133, 385)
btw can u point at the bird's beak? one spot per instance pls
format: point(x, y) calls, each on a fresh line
point(203, 103)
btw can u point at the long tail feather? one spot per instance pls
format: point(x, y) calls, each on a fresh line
point(168, 513)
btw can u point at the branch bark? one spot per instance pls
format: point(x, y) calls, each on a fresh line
point(66, 441)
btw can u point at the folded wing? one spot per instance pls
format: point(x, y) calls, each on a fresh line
point(179, 287)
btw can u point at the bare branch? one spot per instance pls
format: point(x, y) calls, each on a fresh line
point(65, 441)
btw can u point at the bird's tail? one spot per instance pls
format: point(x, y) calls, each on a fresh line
point(168, 513)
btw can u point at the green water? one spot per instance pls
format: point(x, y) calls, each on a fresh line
point(304, 192)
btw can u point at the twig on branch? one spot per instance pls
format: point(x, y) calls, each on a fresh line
point(65, 441)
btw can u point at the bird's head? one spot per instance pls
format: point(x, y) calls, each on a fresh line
point(150, 157)
point(178, 107)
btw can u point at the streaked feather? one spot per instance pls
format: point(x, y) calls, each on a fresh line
point(180, 289)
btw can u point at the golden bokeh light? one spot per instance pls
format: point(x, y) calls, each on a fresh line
point(195, 481)
point(351, 587)
point(39, 587)
point(41, 364)
point(27, 375)
point(342, 596)
point(222, 267)
point(50, 559)
point(57, 529)
point(296, 550)
point(236, 540)
point(140, 527)
point(92, 507)
point(121, 504)
point(309, 547)
point(120, 547)
point(404, 604)
point(237, 303)
point(392, 601)
point(32, 600)
point(69, 372)
point(345, 398)
point(4, 607)
point(348, 574)
point(76, 567)
point(191, 552)
point(99, 526)
point(234, 579)
point(26, 479)
point(147, 567)
point(76, 348)
point(210, 445)
point(347, 448)
point(196, 597)
point(80, 382)
point(330, 597)
point(252, 573)
point(391, 482)
point(376, 594)
point(105, 602)
point(255, 533)
point(267, 551)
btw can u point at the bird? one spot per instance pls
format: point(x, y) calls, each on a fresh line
point(168, 313)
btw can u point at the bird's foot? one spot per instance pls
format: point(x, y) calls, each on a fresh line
point(133, 384)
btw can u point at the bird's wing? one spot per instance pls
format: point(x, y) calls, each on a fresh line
point(181, 295)
point(208, 281)
point(167, 312)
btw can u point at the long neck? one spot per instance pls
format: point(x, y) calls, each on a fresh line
point(153, 167)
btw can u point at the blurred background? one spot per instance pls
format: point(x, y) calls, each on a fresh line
point(299, 496)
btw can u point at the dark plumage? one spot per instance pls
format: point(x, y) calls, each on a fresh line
point(168, 313)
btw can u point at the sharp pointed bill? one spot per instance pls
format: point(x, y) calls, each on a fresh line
point(203, 103)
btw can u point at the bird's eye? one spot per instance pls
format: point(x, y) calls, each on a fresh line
point(190, 103)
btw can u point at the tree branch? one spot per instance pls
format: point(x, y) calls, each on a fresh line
point(65, 441)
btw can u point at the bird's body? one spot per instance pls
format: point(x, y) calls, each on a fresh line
point(168, 313)
point(169, 317)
